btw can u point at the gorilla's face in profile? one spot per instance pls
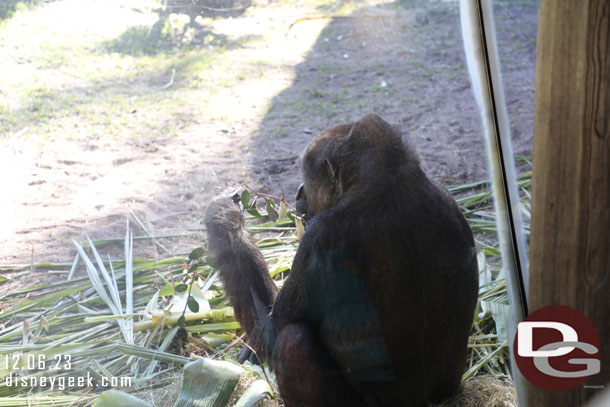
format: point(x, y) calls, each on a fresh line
point(323, 177)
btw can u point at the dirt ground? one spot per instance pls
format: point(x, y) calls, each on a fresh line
point(402, 60)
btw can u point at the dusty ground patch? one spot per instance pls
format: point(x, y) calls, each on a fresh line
point(103, 113)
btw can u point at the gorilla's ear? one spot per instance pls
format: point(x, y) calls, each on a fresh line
point(332, 174)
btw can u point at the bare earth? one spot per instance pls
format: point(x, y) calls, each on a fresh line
point(403, 61)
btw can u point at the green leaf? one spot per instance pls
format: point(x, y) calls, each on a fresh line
point(481, 362)
point(245, 199)
point(181, 287)
point(167, 290)
point(193, 267)
point(113, 398)
point(290, 216)
point(208, 383)
point(221, 326)
point(257, 391)
point(271, 212)
point(193, 305)
point(196, 254)
point(181, 321)
point(283, 210)
point(299, 226)
point(252, 211)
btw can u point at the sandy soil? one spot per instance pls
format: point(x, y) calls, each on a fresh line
point(403, 61)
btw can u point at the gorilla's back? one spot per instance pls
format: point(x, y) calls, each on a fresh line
point(403, 255)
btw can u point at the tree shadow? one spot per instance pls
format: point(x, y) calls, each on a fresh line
point(171, 33)
point(166, 35)
point(208, 8)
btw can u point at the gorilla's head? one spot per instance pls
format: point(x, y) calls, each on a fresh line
point(346, 159)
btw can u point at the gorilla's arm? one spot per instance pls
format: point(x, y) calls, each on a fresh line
point(291, 304)
point(243, 271)
point(311, 274)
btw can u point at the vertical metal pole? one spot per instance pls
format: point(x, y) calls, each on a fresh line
point(483, 66)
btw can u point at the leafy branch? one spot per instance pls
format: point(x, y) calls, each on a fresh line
point(249, 197)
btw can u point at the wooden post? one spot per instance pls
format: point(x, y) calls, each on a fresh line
point(570, 229)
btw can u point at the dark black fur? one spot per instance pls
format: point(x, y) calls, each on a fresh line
point(380, 300)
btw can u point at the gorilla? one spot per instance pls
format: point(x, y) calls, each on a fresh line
point(380, 299)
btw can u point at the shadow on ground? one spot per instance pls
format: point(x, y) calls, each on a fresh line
point(405, 62)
